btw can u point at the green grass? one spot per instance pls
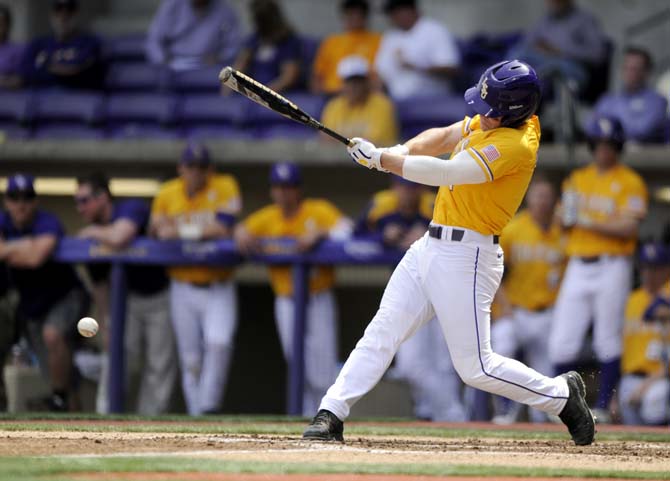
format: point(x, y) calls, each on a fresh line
point(55, 468)
point(282, 425)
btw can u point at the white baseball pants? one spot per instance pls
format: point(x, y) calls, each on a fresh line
point(595, 292)
point(455, 281)
point(320, 343)
point(525, 330)
point(654, 408)
point(424, 362)
point(204, 321)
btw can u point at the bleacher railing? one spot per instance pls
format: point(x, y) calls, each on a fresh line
point(218, 253)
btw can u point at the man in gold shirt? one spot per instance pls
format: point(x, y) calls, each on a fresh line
point(200, 205)
point(534, 264)
point(355, 40)
point(644, 392)
point(454, 270)
point(359, 110)
point(603, 205)
point(307, 221)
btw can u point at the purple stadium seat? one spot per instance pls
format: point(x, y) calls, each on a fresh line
point(417, 114)
point(137, 76)
point(213, 108)
point(126, 48)
point(59, 105)
point(68, 132)
point(200, 80)
point(312, 104)
point(16, 106)
point(158, 108)
point(13, 131)
point(218, 132)
point(141, 130)
point(293, 131)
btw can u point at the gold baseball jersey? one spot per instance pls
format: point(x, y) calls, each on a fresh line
point(314, 214)
point(534, 262)
point(507, 157)
point(602, 195)
point(219, 199)
point(642, 341)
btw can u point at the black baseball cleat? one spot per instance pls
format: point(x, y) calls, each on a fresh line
point(576, 414)
point(324, 427)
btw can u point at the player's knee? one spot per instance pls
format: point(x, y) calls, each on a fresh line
point(469, 368)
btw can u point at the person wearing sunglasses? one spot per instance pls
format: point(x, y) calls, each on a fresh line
point(52, 298)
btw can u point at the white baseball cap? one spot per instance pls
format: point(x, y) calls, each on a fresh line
point(353, 66)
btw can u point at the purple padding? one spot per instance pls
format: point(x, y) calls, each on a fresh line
point(199, 80)
point(68, 131)
point(209, 108)
point(16, 106)
point(287, 131)
point(137, 76)
point(13, 131)
point(58, 106)
point(159, 108)
point(125, 48)
point(137, 130)
point(218, 132)
point(312, 104)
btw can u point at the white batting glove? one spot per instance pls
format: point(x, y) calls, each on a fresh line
point(366, 154)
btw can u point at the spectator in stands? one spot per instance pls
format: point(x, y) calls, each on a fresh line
point(644, 393)
point(200, 205)
point(568, 42)
point(418, 56)
point(307, 221)
point(642, 111)
point(399, 216)
point(533, 243)
point(52, 299)
point(67, 58)
point(272, 54)
point(355, 40)
point(360, 110)
point(190, 34)
point(149, 341)
point(10, 53)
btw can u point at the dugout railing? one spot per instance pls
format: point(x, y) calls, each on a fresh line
point(355, 251)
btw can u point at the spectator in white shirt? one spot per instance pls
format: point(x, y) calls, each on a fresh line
point(418, 56)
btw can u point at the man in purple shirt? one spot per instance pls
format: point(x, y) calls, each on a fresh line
point(149, 341)
point(10, 53)
point(52, 299)
point(191, 34)
point(568, 41)
point(642, 111)
point(68, 58)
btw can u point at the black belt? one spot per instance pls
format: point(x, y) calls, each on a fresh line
point(456, 234)
point(590, 259)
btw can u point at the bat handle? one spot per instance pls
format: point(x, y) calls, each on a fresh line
point(346, 141)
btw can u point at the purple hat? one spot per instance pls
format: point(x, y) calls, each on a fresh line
point(654, 254)
point(195, 154)
point(285, 173)
point(21, 184)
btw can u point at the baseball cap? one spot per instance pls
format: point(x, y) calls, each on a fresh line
point(654, 254)
point(605, 128)
point(68, 4)
point(390, 5)
point(195, 154)
point(285, 173)
point(19, 184)
point(353, 66)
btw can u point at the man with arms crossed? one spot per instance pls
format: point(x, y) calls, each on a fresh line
point(454, 271)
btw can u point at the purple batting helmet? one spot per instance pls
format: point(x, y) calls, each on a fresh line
point(509, 89)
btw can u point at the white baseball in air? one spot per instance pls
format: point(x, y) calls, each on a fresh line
point(87, 326)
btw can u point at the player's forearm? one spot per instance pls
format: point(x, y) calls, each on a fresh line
point(622, 228)
point(429, 142)
point(216, 230)
point(426, 170)
point(25, 253)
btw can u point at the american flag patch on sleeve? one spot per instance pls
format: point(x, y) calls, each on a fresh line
point(490, 152)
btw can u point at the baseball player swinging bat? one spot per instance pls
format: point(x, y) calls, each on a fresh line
point(270, 99)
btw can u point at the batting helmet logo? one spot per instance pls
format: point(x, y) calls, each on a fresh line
point(485, 89)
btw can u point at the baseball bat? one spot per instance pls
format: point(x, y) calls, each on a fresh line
point(270, 99)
